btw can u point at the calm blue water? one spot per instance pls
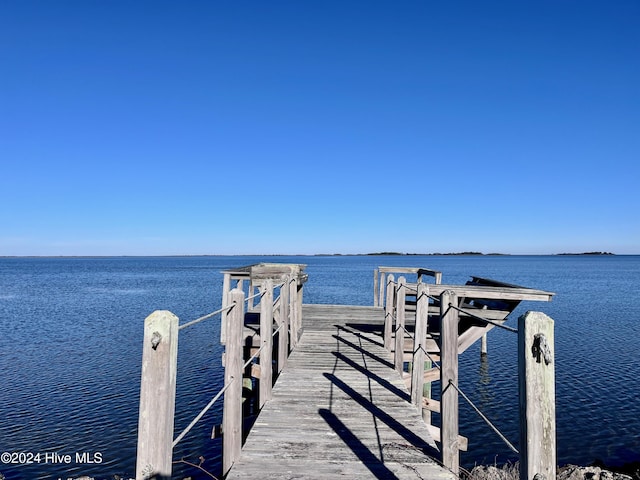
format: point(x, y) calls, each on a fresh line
point(70, 351)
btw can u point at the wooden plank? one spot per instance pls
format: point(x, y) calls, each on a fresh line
point(463, 442)
point(471, 336)
point(408, 356)
point(417, 270)
point(430, 346)
point(433, 406)
point(277, 271)
point(491, 292)
point(431, 375)
point(488, 314)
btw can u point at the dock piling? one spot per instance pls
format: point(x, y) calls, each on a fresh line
point(536, 378)
point(448, 377)
point(266, 342)
point(232, 413)
point(420, 335)
point(157, 396)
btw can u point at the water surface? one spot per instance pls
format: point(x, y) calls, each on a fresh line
point(71, 340)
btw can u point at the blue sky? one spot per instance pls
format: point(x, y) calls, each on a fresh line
point(259, 127)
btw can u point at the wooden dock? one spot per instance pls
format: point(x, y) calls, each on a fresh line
point(345, 391)
point(339, 408)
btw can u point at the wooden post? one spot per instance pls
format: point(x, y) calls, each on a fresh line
point(232, 413)
point(375, 287)
point(226, 286)
point(400, 316)
point(382, 286)
point(300, 294)
point(157, 396)
point(388, 312)
point(536, 378)
point(250, 302)
point(283, 336)
point(266, 342)
point(483, 346)
point(438, 278)
point(293, 309)
point(449, 375)
point(426, 393)
point(419, 340)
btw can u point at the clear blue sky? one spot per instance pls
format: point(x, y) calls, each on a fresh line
point(242, 127)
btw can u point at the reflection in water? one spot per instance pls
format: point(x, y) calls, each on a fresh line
point(484, 382)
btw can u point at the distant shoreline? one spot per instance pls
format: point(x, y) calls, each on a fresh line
point(373, 254)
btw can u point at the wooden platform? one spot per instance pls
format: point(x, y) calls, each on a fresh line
point(339, 409)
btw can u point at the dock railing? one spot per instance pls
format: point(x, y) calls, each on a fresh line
point(434, 356)
point(280, 319)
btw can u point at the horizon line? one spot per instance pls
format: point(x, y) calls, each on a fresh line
point(372, 254)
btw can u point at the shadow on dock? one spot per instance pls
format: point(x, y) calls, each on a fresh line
point(416, 441)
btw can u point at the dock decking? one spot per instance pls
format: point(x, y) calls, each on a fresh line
point(339, 409)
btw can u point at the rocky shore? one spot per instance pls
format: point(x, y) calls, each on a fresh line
point(567, 472)
point(506, 472)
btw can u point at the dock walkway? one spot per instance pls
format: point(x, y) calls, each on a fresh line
point(339, 409)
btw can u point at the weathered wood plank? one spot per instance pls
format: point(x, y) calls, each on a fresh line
point(463, 442)
point(417, 270)
point(490, 292)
